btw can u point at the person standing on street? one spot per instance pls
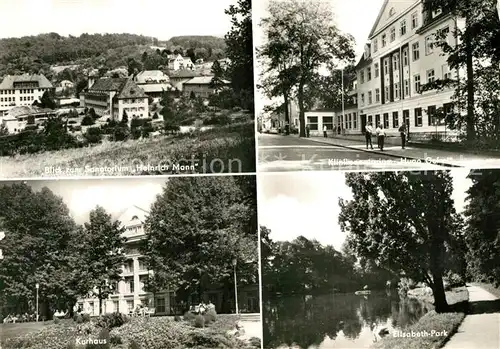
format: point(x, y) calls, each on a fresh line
point(324, 131)
point(403, 132)
point(308, 131)
point(380, 136)
point(368, 135)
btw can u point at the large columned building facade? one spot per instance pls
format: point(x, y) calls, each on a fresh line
point(399, 58)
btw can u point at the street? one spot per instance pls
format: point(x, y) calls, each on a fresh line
point(289, 153)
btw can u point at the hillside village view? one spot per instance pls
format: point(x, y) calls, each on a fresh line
point(129, 272)
point(118, 104)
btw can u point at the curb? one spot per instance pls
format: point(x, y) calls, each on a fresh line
point(438, 163)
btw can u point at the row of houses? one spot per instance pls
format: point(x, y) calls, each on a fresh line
point(111, 97)
point(399, 57)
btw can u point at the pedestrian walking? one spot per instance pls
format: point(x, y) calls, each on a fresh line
point(324, 131)
point(368, 135)
point(308, 130)
point(380, 136)
point(403, 132)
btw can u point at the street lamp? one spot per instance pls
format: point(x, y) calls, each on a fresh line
point(37, 287)
point(235, 261)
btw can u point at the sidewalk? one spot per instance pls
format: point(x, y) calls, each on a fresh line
point(427, 155)
point(479, 329)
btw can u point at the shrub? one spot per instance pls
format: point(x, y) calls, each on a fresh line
point(255, 342)
point(87, 120)
point(177, 318)
point(121, 133)
point(188, 316)
point(78, 318)
point(199, 321)
point(56, 321)
point(115, 339)
point(86, 318)
point(133, 345)
point(210, 316)
point(112, 320)
point(93, 135)
point(104, 341)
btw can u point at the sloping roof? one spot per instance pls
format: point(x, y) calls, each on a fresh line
point(131, 90)
point(146, 75)
point(9, 80)
point(398, 6)
point(27, 110)
point(202, 80)
point(156, 87)
point(109, 84)
point(184, 73)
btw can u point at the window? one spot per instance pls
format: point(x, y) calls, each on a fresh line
point(354, 121)
point(160, 305)
point(407, 87)
point(130, 306)
point(328, 122)
point(377, 95)
point(405, 57)
point(429, 44)
point(369, 73)
point(362, 99)
point(376, 68)
point(436, 12)
point(431, 116)
point(129, 266)
point(143, 280)
point(395, 62)
point(416, 78)
point(430, 75)
point(395, 119)
point(312, 121)
point(375, 45)
point(370, 119)
point(418, 117)
point(384, 40)
point(370, 97)
point(349, 117)
point(446, 33)
point(393, 34)
point(406, 117)
point(387, 96)
point(414, 20)
point(386, 66)
point(362, 76)
point(447, 108)
point(91, 308)
point(402, 29)
point(397, 89)
point(377, 119)
point(116, 306)
point(386, 120)
point(346, 121)
point(446, 72)
point(415, 48)
point(129, 285)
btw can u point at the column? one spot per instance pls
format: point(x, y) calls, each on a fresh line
point(136, 280)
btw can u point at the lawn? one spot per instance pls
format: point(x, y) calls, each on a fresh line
point(223, 149)
point(448, 322)
point(138, 333)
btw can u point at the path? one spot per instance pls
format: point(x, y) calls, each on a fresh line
point(252, 326)
point(481, 326)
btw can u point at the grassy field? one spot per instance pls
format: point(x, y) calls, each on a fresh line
point(145, 333)
point(224, 149)
point(444, 323)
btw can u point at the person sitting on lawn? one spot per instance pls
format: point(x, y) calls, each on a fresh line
point(202, 308)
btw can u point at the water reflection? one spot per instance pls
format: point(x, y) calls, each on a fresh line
point(336, 320)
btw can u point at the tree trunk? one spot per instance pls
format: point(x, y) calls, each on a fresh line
point(287, 113)
point(471, 134)
point(440, 303)
point(437, 252)
point(225, 306)
point(300, 97)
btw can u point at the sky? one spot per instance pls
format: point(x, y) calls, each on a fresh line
point(157, 18)
point(306, 203)
point(355, 17)
point(114, 195)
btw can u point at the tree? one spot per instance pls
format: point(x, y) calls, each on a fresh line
point(239, 50)
point(196, 227)
point(483, 226)
point(47, 100)
point(217, 82)
point(3, 130)
point(476, 49)
point(125, 117)
point(302, 38)
point(88, 121)
point(403, 222)
point(171, 122)
point(38, 247)
point(103, 253)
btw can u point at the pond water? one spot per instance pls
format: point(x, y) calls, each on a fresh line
point(336, 320)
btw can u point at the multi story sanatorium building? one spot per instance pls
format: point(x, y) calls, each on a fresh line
point(113, 96)
point(130, 291)
point(154, 83)
point(22, 90)
point(398, 59)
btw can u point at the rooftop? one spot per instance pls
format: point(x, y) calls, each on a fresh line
point(24, 110)
point(125, 87)
point(202, 80)
point(150, 75)
point(9, 80)
point(184, 73)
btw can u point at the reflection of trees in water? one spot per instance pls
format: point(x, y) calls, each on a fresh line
point(306, 322)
